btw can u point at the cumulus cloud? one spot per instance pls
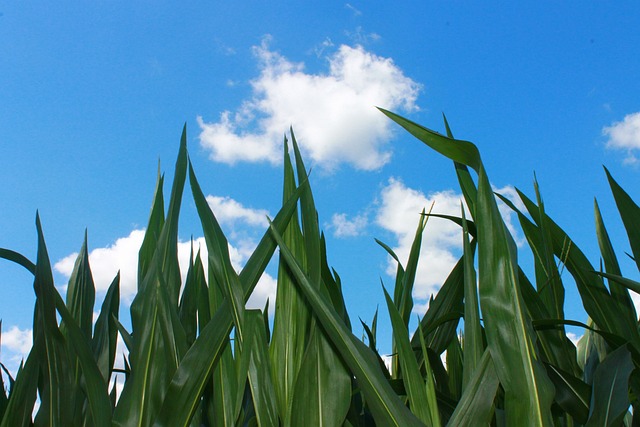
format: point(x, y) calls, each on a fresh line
point(229, 211)
point(333, 113)
point(106, 262)
point(18, 340)
point(123, 254)
point(399, 212)
point(16, 345)
point(625, 136)
point(344, 226)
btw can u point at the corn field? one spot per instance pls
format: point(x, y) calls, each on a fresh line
point(491, 350)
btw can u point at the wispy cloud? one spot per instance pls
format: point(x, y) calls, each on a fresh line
point(361, 37)
point(333, 113)
point(356, 12)
point(625, 136)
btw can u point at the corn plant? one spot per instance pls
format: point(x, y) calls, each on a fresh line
point(197, 356)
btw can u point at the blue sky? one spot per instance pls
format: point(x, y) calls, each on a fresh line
point(93, 95)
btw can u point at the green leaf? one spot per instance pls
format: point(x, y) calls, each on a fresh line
point(510, 335)
point(154, 228)
point(385, 406)
point(468, 187)
point(610, 397)
point(627, 283)
point(18, 258)
point(411, 377)
point(475, 407)
point(572, 394)
point(23, 392)
point(96, 387)
point(259, 373)
point(440, 322)
point(81, 293)
point(55, 403)
point(322, 393)
point(541, 303)
point(463, 152)
point(473, 342)
point(432, 399)
point(195, 369)
point(160, 340)
point(597, 301)
point(291, 324)
point(455, 368)
point(403, 295)
point(105, 333)
point(188, 309)
point(629, 212)
point(618, 292)
point(548, 278)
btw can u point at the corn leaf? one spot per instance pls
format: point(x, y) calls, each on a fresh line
point(432, 399)
point(475, 407)
point(322, 394)
point(596, 299)
point(23, 392)
point(629, 212)
point(620, 293)
point(55, 408)
point(96, 387)
point(105, 333)
point(259, 373)
point(473, 343)
point(292, 318)
point(386, 408)
point(411, 377)
point(510, 335)
point(572, 394)
point(610, 397)
point(195, 369)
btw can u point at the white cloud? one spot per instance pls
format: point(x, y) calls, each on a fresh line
point(229, 211)
point(265, 289)
point(625, 135)
point(123, 254)
point(106, 262)
point(320, 49)
point(16, 345)
point(399, 211)
point(18, 340)
point(361, 37)
point(356, 12)
point(333, 114)
point(346, 227)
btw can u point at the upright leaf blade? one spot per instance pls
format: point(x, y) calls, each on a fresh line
point(610, 398)
point(385, 406)
point(411, 377)
point(510, 335)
